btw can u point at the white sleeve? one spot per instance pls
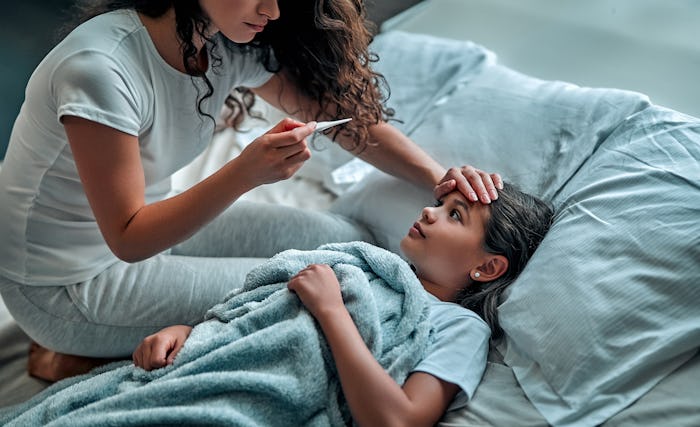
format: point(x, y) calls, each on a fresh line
point(93, 86)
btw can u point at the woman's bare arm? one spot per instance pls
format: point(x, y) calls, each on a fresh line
point(111, 172)
point(390, 150)
point(393, 153)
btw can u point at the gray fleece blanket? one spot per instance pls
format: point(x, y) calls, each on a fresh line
point(259, 358)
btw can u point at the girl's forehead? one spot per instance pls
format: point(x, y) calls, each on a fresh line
point(459, 198)
point(476, 209)
point(456, 196)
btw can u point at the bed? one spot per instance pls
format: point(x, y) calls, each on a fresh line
point(603, 326)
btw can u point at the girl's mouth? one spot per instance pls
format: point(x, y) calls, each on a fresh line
point(416, 229)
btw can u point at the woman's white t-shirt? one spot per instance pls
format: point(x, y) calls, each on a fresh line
point(108, 71)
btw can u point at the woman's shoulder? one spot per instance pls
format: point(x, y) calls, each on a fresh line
point(114, 42)
point(106, 31)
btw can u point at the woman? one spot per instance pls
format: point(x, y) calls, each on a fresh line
point(98, 252)
point(465, 255)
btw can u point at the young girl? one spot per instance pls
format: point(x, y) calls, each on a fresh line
point(465, 254)
point(97, 252)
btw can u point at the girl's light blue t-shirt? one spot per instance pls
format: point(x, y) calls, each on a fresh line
point(458, 352)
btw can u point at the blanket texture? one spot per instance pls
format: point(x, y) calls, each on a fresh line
point(259, 358)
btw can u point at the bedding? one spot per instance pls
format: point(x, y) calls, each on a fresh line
point(600, 325)
point(607, 306)
point(260, 358)
point(552, 127)
point(610, 305)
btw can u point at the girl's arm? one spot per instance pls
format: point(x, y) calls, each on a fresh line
point(110, 169)
point(373, 396)
point(160, 349)
point(393, 153)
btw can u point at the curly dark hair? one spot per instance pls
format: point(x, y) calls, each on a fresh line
point(322, 46)
point(517, 224)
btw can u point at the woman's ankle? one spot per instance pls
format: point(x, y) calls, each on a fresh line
point(52, 366)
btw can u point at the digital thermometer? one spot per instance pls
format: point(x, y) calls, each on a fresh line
point(321, 126)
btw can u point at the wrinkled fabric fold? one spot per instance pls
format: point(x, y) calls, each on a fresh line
point(260, 357)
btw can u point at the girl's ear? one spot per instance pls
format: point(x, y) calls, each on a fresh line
point(492, 268)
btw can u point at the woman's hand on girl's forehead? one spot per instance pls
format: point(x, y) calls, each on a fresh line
point(475, 184)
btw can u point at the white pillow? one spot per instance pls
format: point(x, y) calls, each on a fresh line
point(607, 306)
point(610, 303)
point(535, 133)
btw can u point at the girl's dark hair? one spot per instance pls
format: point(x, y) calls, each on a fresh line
point(320, 45)
point(516, 226)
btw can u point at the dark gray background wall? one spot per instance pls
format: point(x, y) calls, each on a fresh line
point(381, 10)
point(28, 30)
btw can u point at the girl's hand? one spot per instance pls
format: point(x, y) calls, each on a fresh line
point(319, 290)
point(474, 183)
point(160, 349)
point(277, 154)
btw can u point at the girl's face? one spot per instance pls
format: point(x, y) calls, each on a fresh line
point(239, 20)
point(445, 244)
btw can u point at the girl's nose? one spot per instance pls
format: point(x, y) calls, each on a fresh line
point(428, 214)
point(269, 8)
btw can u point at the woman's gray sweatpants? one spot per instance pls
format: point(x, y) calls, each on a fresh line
point(108, 315)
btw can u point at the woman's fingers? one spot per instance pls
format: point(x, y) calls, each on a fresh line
point(291, 145)
point(278, 154)
point(284, 125)
point(475, 184)
point(497, 180)
point(444, 188)
point(287, 151)
point(483, 185)
point(293, 133)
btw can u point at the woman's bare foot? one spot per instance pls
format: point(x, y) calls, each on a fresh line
point(51, 366)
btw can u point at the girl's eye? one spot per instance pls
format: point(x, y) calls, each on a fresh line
point(454, 213)
point(437, 203)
